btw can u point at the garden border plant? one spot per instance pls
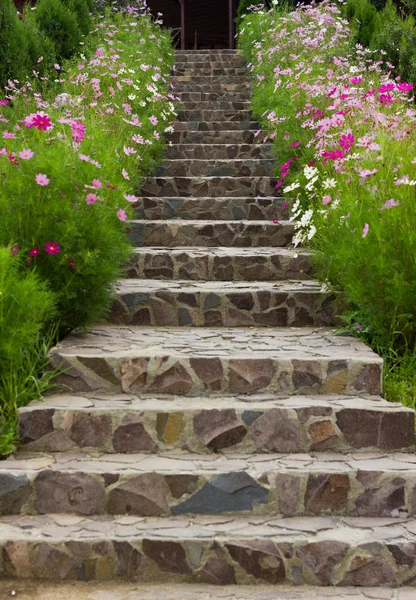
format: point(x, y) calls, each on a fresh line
point(72, 161)
point(343, 130)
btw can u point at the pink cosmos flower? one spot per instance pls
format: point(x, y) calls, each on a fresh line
point(279, 184)
point(153, 120)
point(91, 198)
point(131, 198)
point(285, 205)
point(346, 141)
point(78, 131)
point(4, 102)
point(26, 154)
point(121, 214)
point(364, 173)
point(387, 87)
point(41, 122)
point(365, 230)
point(12, 158)
point(52, 248)
point(34, 251)
point(125, 174)
point(8, 136)
point(390, 204)
point(276, 222)
point(14, 250)
point(386, 99)
point(294, 145)
point(42, 179)
point(326, 199)
point(57, 67)
point(128, 150)
point(4, 151)
point(356, 80)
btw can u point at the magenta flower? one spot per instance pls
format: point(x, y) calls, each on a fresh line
point(4, 102)
point(41, 122)
point(386, 99)
point(279, 184)
point(12, 158)
point(276, 222)
point(34, 251)
point(14, 250)
point(153, 120)
point(78, 131)
point(121, 214)
point(404, 87)
point(356, 80)
point(91, 198)
point(346, 141)
point(26, 154)
point(294, 145)
point(390, 204)
point(387, 87)
point(42, 179)
point(52, 248)
point(285, 204)
point(365, 230)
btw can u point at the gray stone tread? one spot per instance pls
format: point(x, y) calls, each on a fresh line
point(278, 343)
point(223, 251)
point(94, 401)
point(179, 463)
point(31, 590)
point(62, 527)
point(204, 223)
point(129, 286)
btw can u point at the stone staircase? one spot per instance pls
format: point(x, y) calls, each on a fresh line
point(215, 431)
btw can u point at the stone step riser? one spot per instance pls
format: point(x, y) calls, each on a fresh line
point(216, 137)
point(263, 308)
point(219, 151)
point(212, 209)
point(227, 115)
point(241, 234)
point(215, 125)
point(213, 96)
point(292, 492)
point(203, 70)
point(208, 80)
point(229, 89)
point(229, 105)
point(155, 426)
point(216, 168)
point(292, 560)
point(209, 186)
point(139, 371)
point(203, 266)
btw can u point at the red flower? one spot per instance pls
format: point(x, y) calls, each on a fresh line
point(41, 122)
point(52, 248)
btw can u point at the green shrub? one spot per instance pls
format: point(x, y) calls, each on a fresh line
point(244, 6)
point(363, 18)
point(60, 25)
point(39, 46)
point(13, 55)
point(82, 11)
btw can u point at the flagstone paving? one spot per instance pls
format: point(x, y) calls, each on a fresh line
point(215, 435)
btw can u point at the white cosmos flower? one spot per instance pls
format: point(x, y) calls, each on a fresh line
point(291, 187)
point(329, 183)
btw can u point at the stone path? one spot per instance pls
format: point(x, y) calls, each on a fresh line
point(215, 431)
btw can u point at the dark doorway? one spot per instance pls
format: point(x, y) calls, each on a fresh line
point(207, 23)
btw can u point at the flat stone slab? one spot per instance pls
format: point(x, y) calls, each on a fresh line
point(216, 137)
point(141, 484)
point(224, 125)
point(179, 360)
point(126, 424)
point(201, 69)
point(228, 304)
point(210, 208)
point(212, 114)
point(208, 96)
point(33, 590)
point(220, 264)
point(241, 233)
point(194, 167)
point(225, 551)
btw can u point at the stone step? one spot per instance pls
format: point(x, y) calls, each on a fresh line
point(227, 104)
point(133, 591)
point(273, 485)
point(223, 304)
point(219, 151)
point(215, 115)
point(256, 424)
point(211, 208)
point(215, 125)
point(201, 233)
point(215, 52)
point(220, 264)
point(217, 96)
point(230, 88)
point(194, 361)
point(216, 137)
point(195, 167)
point(203, 70)
point(208, 80)
point(209, 186)
point(317, 551)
